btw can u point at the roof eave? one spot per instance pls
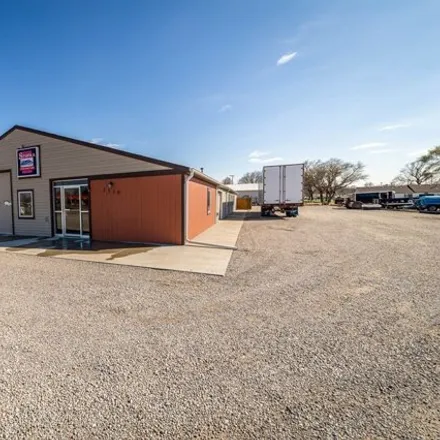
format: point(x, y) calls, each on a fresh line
point(208, 179)
point(136, 156)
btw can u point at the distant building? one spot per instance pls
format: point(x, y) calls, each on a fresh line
point(251, 190)
point(393, 191)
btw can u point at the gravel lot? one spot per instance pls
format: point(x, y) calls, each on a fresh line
point(326, 326)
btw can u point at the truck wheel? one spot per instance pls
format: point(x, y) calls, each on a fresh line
point(432, 208)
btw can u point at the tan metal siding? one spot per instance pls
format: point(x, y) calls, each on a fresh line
point(5, 209)
point(59, 160)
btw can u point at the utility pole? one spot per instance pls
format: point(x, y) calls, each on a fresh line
point(232, 178)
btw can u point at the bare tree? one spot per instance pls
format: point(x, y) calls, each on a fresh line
point(433, 159)
point(329, 177)
point(317, 175)
point(252, 177)
point(310, 179)
point(341, 174)
point(419, 172)
point(227, 181)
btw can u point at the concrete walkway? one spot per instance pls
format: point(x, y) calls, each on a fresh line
point(208, 253)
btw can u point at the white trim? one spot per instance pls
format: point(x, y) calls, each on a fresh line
point(19, 193)
point(186, 204)
point(64, 232)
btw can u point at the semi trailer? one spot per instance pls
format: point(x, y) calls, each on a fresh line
point(282, 189)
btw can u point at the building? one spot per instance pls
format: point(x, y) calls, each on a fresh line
point(370, 193)
point(250, 190)
point(51, 185)
point(373, 193)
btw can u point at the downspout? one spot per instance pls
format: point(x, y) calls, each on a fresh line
point(188, 177)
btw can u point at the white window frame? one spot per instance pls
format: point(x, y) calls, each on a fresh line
point(19, 193)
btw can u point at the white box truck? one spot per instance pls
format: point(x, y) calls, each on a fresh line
point(283, 189)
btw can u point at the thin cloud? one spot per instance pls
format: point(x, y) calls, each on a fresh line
point(368, 145)
point(383, 151)
point(225, 108)
point(286, 58)
point(96, 140)
point(257, 154)
point(266, 160)
point(393, 127)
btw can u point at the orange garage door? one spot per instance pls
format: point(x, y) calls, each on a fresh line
point(145, 209)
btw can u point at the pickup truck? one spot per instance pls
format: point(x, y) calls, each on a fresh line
point(428, 203)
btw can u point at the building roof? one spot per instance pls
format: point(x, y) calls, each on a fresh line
point(173, 166)
point(245, 186)
point(95, 146)
point(208, 179)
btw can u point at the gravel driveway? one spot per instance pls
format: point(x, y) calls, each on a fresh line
point(326, 326)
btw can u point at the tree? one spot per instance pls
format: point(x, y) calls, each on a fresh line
point(432, 154)
point(252, 177)
point(433, 159)
point(424, 170)
point(314, 173)
point(309, 179)
point(329, 177)
point(227, 181)
point(420, 171)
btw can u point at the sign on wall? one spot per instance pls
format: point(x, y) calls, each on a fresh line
point(28, 162)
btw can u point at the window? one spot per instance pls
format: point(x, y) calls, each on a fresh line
point(26, 203)
point(208, 200)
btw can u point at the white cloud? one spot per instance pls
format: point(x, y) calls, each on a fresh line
point(383, 151)
point(257, 154)
point(96, 140)
point(265, 160)
point(225, 108)
point(286, 58)
point(394, 127)
point(368, 145)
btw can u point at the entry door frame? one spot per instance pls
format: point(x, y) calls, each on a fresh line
point(64, 233)
point(11, 199)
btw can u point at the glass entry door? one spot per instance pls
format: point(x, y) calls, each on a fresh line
point(72, 211)
point(71, 206)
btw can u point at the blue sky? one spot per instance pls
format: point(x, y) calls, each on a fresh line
point(229, 85)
